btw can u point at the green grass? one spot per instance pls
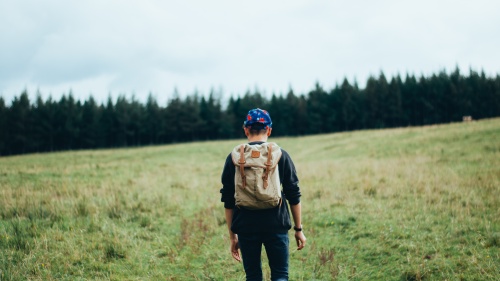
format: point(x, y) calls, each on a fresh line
point(401, 204)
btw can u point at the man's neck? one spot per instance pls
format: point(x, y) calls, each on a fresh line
point(262, 138)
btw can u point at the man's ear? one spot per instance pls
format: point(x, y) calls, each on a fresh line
point(247, 131)
point(269, 131)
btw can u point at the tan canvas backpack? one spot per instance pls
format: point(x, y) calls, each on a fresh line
point(256, 180)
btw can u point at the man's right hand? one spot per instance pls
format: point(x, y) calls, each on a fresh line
point(235, 249)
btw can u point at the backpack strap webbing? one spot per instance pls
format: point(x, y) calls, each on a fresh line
point(265, 176)
point(242, 165)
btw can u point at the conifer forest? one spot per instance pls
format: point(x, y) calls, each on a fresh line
point(44, 125)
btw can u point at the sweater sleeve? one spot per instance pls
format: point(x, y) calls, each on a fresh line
point(289, 179)
point(227, 179)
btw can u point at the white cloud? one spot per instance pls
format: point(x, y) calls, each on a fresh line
point(103, 47)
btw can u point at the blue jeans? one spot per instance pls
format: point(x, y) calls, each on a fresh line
point(276, 245)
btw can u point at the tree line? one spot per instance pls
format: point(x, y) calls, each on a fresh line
point(66, 124)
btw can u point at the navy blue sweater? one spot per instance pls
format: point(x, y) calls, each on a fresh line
point(276, 220)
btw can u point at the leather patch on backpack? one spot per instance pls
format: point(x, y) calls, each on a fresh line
point(255, 154)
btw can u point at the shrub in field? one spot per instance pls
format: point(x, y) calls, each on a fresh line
point(114, 250)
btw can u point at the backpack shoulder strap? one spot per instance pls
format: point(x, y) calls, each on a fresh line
point(275, 150)
point(268, 164)
point(242, 162)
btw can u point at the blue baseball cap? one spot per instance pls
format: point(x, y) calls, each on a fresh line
point(258, 117)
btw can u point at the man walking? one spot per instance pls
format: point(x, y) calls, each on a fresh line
point(252, 225)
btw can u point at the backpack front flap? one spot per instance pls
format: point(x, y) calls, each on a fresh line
point(257, 184)
point(256, 154)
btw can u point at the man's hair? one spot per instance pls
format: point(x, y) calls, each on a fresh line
point(257, 129)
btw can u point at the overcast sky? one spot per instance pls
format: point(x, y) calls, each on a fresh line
point(116, 47)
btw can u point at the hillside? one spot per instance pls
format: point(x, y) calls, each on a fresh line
point(417, 203)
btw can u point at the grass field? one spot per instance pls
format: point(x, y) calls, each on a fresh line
point(401, 204)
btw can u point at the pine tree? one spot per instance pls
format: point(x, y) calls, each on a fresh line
point(294, 117)
point(348, 106)
point(210, 115)
point(171, 117)
point(409, 96)
point(3, 128)
point(43, 124)
point(19, 129)
point(279, 110)
point(107, 128)
point(494, 99)
point(90, 127)
point(122, 119)
point(136, 113)
point(372, 104)
point(318, 111)
point(189, 119)
point(394, 108)
point(152, 132)
point(231, 125)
